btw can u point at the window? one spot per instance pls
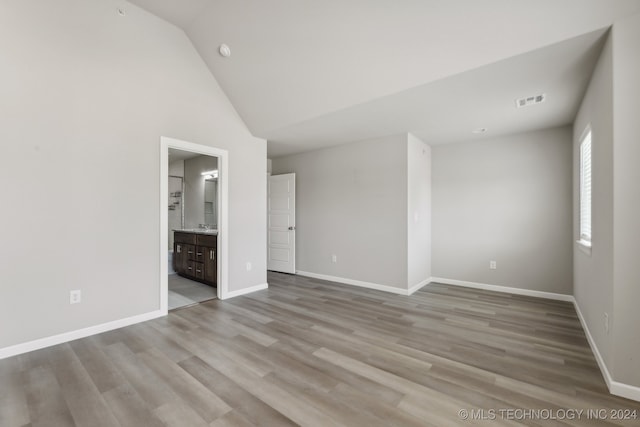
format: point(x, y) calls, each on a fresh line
point(585, 189)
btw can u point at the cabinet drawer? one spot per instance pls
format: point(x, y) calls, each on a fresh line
point(201, 253)
point(188, 251)
point(188, 238)
point(206, 240)
point(189, 270)
point(195, 269)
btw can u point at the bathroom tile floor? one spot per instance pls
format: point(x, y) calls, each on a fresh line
point(184, 292)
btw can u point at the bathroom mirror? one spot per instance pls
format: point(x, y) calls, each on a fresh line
point(211, 202)
point(193, 192)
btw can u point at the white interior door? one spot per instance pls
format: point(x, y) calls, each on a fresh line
point(282, 223)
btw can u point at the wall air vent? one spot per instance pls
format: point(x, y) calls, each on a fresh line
point(530, 100)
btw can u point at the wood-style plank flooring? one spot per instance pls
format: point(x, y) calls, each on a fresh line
point(316, 353)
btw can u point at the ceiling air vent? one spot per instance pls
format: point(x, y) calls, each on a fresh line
point(530, 100)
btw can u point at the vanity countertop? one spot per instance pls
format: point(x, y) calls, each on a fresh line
point(197, 231)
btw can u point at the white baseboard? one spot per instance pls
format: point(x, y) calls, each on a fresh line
point(360, 283)
point(15, 350)
point(506, 289)
point(245, 291)
point(625, 390)
point(594, 348)
point(420, 285)
point(93, 330)
point(615, 387)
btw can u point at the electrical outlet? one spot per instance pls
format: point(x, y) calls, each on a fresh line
point(249, 266)
point(334, 258)
point(493, 265)
point(606, 322)
point(75, 297)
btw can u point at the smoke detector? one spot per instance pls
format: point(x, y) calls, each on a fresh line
point(530, 100)
point(224, 50)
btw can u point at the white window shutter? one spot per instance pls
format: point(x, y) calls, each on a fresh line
point(585, 188)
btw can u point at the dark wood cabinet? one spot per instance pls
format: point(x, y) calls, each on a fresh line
point(210, 266)
point(195, 256)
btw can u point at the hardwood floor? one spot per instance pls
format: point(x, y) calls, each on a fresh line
point(311, 352)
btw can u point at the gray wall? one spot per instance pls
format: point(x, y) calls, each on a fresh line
point(593, 273)
point(194, 188)
point(351, 201)
point(176, 167)
point(418, 211)
point(606, 280)
point(86, 95)
point(626, 199)
point(506, 199)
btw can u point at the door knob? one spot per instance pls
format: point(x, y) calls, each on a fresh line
point(292, 228)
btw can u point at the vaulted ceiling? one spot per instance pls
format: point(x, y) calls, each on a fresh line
point(309, 74)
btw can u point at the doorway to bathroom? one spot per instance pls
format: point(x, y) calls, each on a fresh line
point(193, 223)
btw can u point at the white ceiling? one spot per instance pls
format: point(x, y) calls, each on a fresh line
point(448, 110)
point(310, 74)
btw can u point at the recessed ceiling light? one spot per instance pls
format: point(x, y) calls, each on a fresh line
point(480, 130)
point(224, 50)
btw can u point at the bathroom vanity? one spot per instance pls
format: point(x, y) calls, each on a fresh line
point(195, 255)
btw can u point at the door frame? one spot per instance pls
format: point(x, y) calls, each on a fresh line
point(223, 217)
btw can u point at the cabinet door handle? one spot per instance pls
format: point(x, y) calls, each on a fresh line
point(198, 271)
point(211, 255)
point(190, 268)
point(179, 248)
point(199, 254)
point(190, 252)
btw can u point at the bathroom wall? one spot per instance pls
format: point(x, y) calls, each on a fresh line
point(174, 219)
point(176, 167)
